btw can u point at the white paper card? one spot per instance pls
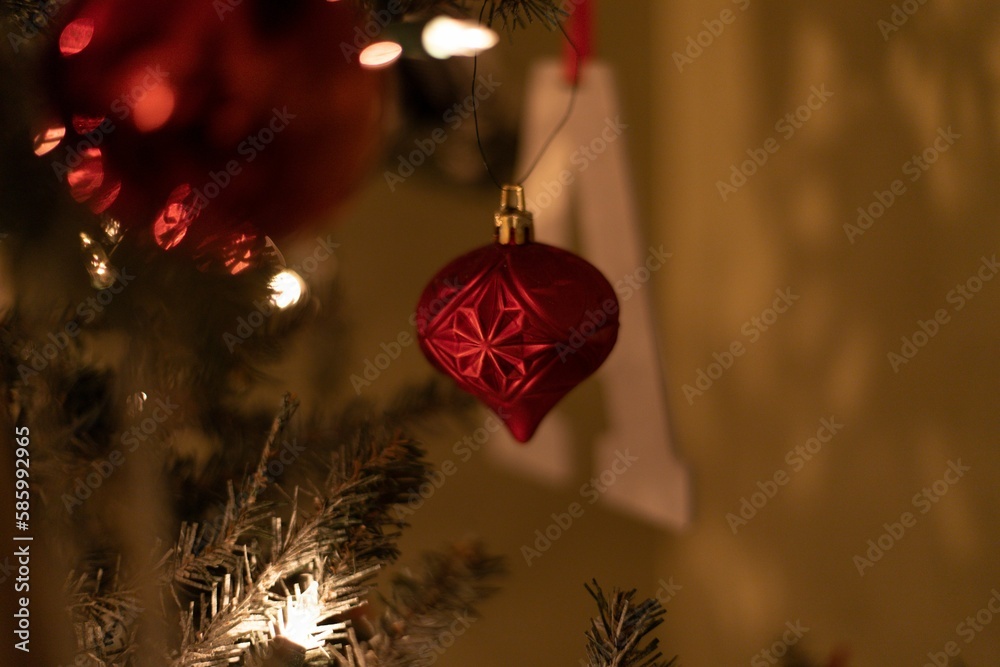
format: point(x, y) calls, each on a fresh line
point(583, 179)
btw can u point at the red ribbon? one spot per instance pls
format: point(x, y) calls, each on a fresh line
point(580, 29)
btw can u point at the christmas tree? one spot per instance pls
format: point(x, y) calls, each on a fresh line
point(170, 507)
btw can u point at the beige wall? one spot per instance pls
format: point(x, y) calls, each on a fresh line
point(828, 354)
point(825, 357)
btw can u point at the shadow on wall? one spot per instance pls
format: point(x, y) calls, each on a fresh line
point(835, 219)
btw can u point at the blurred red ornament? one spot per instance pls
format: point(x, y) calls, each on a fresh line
point(194, 119)
point(518, 324)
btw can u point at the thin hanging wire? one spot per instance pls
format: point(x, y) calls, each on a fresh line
point(555, 132)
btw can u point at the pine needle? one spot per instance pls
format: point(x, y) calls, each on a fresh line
point(615, 636)
point(520, 13)
point(423, 606)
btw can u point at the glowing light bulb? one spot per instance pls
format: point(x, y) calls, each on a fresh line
point(48, 139)
point(380, 54)
point(299, 621)
point(287, 288)
point(112, 228)
point(444, 37)
point(136, 403)
point(102, 274)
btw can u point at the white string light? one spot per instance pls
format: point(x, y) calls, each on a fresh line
point(380, 54)
point(287, 288)
point(102, 274)
point(299, 620)
point(444, 37)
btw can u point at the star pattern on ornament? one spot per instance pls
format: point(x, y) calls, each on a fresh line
point(515, 327)
point(491, 341)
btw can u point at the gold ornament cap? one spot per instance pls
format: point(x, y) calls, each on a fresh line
point(514, 224)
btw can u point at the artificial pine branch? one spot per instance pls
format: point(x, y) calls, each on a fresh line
point(616, 635)
point(258, 482)
point(411, 406)
point(520, 13)
point(227, 584)
point(411, 7)
point(24, 11)
point(511, 14)
point(424, 606)
point(193, 563)
point(104, 616)
point(434, 398)
point(345, 538)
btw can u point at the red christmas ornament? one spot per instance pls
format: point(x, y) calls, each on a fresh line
point(518, 324)
point(199, 121)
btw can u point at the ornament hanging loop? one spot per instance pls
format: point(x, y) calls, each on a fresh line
point(562, 123)
point(514, 224)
